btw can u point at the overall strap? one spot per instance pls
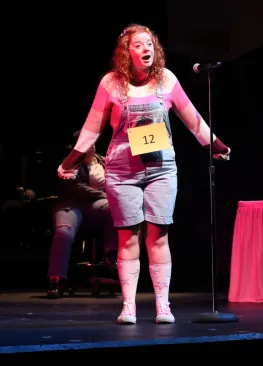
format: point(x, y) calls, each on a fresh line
point(159, 91)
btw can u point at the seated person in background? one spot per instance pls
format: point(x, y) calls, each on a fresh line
point(79, 201)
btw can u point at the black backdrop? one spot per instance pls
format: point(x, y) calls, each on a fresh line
point(53, 60)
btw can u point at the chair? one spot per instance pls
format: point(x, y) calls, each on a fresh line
point(91, 264)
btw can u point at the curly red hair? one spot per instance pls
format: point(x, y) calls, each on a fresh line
point(121, 57)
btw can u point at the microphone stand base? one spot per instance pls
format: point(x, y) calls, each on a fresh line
point(215, 317)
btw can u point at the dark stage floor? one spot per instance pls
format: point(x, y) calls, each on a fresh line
point(34, 326)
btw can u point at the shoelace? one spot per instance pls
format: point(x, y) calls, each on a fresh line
point(163, 307)
point(128, 309)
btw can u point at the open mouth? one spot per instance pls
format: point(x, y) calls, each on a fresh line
point(146, 57)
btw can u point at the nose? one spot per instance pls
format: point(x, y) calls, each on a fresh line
point(146, 47)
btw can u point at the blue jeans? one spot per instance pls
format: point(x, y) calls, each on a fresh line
point(66, 226)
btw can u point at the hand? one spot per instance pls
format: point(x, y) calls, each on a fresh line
point(66, 174)
point(225, 156)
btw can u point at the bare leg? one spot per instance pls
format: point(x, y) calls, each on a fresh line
point(160, 267)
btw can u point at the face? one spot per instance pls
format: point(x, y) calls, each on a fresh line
point(141, 51)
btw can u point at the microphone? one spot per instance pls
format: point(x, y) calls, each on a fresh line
point(206, 67)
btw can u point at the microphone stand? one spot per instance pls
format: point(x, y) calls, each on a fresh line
point(214, 316)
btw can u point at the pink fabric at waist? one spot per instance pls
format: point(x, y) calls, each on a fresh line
point(252, 204)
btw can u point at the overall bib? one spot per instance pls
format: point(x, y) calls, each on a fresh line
point(142, 187)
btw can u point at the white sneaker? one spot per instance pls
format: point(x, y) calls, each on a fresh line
point(128, 314)
point(164, 314)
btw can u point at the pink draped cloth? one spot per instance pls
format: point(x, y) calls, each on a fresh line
point(246, 273)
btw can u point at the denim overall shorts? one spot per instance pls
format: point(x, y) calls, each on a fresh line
point(142, 187)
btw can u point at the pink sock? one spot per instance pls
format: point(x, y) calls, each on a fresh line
point(161, 276)
point(128, 271)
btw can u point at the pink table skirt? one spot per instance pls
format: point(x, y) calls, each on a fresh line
point(246, 272)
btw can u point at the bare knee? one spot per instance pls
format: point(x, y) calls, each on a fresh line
point(129, 242)
point(129, 247)
point(156, 235)
point(156, 242)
